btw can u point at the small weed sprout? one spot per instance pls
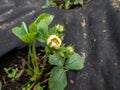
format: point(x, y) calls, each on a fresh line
point(61, 58)
point(12, 73)
point(66, 4)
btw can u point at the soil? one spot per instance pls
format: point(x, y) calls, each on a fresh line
point(11, 59)
point(18, 58)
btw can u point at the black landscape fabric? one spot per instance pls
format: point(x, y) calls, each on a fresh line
point(94, 30)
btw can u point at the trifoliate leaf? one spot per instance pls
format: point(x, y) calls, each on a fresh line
point(74, 62)
point(23, 34)
point(58, 80)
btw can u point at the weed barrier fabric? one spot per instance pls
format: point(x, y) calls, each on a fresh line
point(94, 30)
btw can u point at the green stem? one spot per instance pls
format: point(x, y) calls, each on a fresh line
point(24, 85)
point(44, 64)
point(29, 59)
point(32, 56)
point(31, 86)
point(47, 74)
point(36, 70)
point(35, 57)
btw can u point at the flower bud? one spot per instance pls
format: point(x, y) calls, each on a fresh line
point(70, 50)
point(59, 28)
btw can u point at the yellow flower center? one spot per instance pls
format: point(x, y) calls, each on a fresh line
point(55, 41)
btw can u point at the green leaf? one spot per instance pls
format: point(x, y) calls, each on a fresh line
point(33, 28)
point(67, 4)
point(53, 4)
point(15, 72)
point(24, 27)
point(19, 32)
point(74, 62)
point(47, 4)
point(6, 70)
point(78, 2)
point(10, 75)
point(58, 80)
point(24, 35)
point(42, 32)
point(44, 18)
point(0, 85)
point(55, 59)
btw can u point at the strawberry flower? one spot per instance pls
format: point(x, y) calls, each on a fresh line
point(54, 41)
